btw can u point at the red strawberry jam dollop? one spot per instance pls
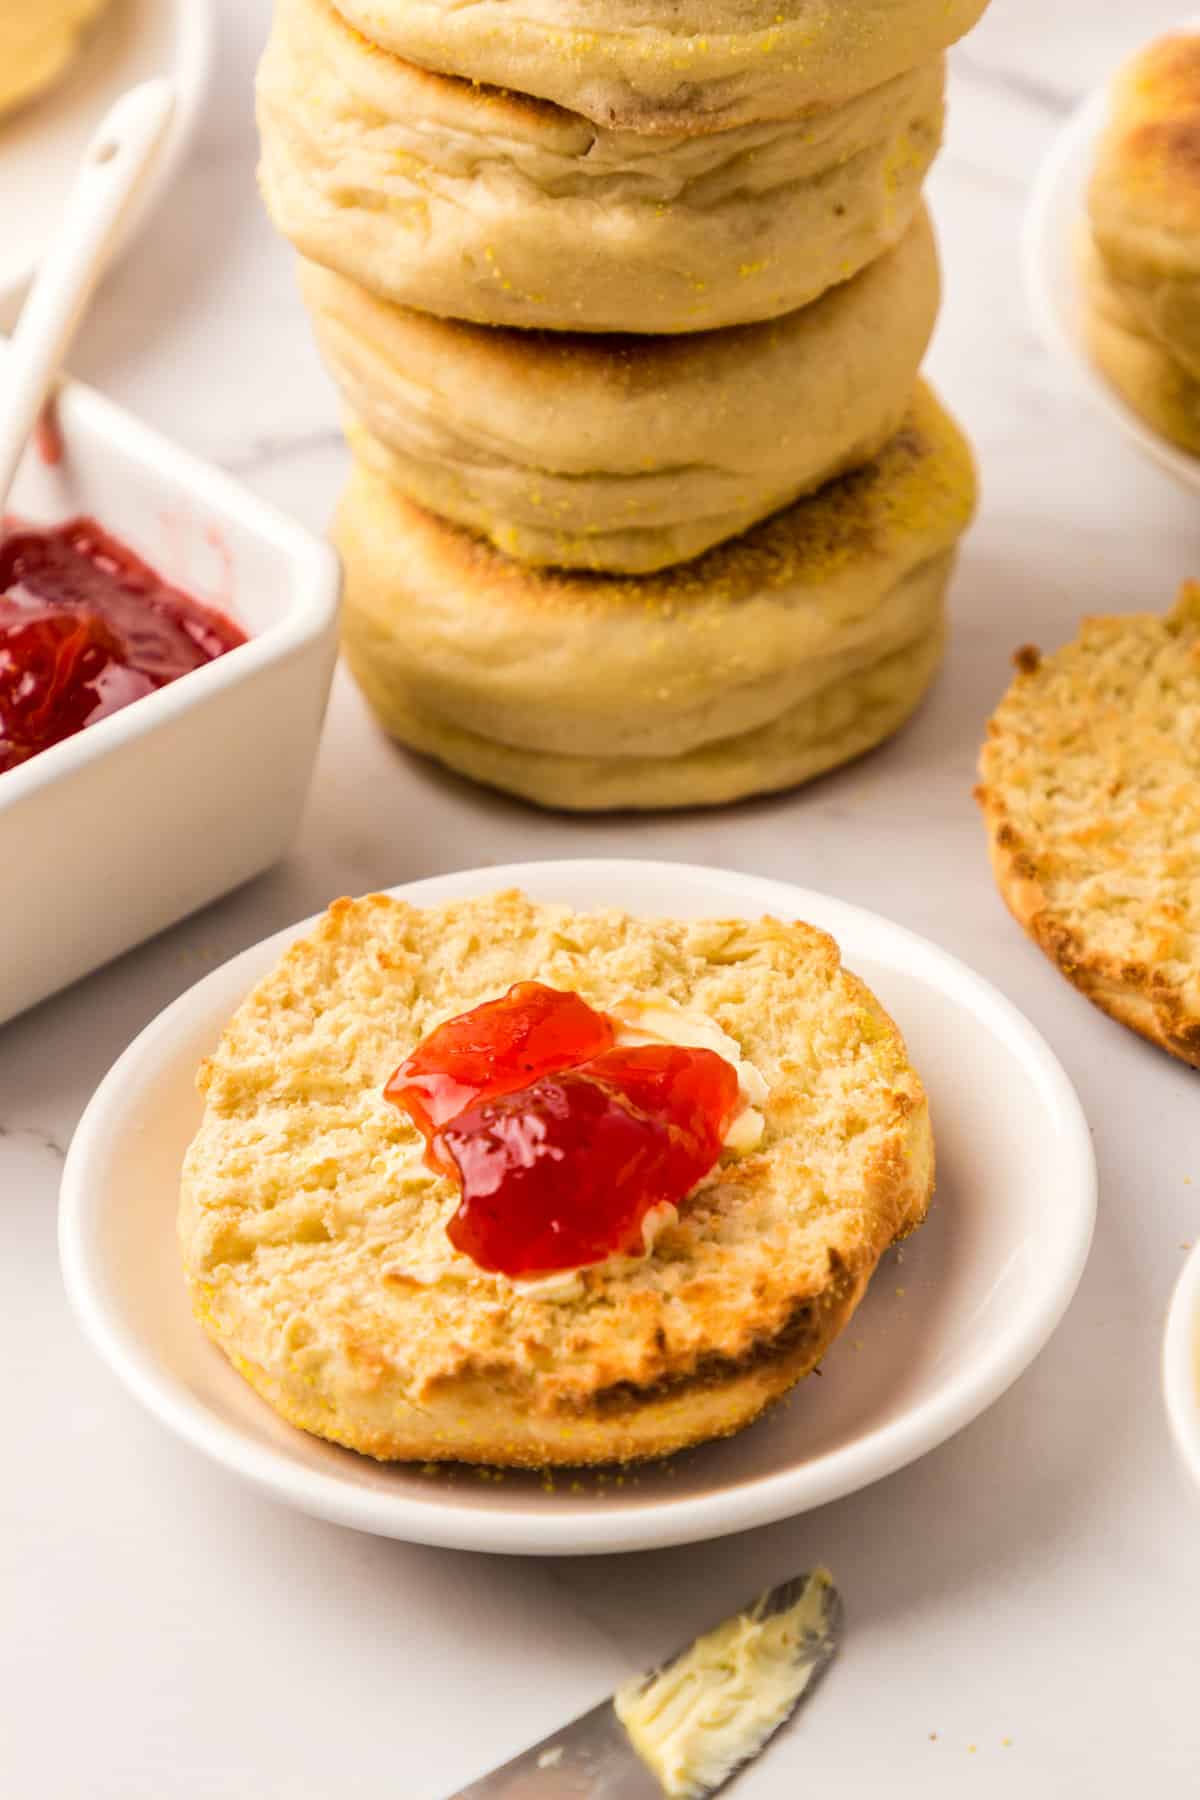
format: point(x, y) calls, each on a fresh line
point(560, 1143)
point(87, 628)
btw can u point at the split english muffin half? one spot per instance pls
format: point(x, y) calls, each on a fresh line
point(314, 1235)
point(1090, 788)
point(627, 454)
point(478, 204)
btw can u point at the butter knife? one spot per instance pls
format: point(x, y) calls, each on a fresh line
point(595, 1758)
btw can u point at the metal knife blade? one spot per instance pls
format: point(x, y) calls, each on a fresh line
point(593, 1757)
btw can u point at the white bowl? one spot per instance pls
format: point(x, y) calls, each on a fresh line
point(1054, 230)
point(41, 143)
point(1181, 1366)
point(938, 1338)
point(147, 815)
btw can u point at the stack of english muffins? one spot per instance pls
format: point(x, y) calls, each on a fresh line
point(627, 301)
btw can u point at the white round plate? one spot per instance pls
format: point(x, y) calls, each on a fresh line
point(1181, 1366)
point(41, 143)
point(1054, 228)
point(984, 1282)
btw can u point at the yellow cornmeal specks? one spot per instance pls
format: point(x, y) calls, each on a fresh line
point(922, 484)
point(497, 162)
point(755, 62)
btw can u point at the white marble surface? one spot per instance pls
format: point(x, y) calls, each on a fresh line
point(1031, 1593)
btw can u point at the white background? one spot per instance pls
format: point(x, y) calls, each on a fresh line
point(168, 1636)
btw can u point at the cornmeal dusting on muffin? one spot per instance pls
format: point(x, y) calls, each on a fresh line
point(475, 201)
point(485, 425)
point(760, 664)
point(695, 68)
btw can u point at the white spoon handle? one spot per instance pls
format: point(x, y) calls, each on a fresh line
point(108, 178)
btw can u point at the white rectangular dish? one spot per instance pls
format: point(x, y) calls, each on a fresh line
point(141, 818)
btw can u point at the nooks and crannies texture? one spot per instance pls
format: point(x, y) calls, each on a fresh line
point(313, 1232)
point(1091, 793)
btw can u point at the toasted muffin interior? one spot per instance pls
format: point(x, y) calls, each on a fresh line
point(1091, 794)
point(313, 1233)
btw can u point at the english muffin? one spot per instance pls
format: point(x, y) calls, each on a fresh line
point(478, 204)
point(1145, 204)
point(1161, 389)
point(662, 66)
point(854, 711)
point(314, 1232)
point(566, 450)
point(39, 39)
point(1091, 793)
point(661, 684)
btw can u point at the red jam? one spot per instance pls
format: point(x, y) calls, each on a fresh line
point(560, 1143)
point(86, 628)
point(495, 1049)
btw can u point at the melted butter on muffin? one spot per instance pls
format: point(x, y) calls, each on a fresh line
point(660, 1021)
point(638, 1022)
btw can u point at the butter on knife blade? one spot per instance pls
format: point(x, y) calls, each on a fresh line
point(683, 1730)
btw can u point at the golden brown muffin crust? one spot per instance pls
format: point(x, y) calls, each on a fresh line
point(1145, 191)
point(1091, 795)
point(1157, 130)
